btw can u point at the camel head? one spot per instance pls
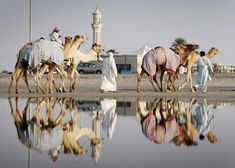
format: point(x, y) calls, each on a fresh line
point(212, 52)
point(185, 50)
point(80, 39)
point(68, 39)
point(97, 48)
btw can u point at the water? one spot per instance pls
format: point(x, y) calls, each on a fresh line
point(116, 130)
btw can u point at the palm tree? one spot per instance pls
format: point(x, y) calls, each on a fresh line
point(177, 41)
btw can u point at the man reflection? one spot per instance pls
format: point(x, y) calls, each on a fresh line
point(204, 120)
point(109, 116)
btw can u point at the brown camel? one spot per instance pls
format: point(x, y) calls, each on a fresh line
point(159, 59)
point(192, 59)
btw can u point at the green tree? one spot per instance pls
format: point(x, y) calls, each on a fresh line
point(177, 41)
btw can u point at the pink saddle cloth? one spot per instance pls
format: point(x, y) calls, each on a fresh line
point(160, 56)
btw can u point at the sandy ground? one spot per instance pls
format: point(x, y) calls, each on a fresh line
point(222, 87)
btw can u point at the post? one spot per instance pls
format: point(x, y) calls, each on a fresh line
point(30, 20)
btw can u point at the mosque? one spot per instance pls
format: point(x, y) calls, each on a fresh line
point(126, 63)
point(131, 63)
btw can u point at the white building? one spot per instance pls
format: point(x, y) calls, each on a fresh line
point(131, 63)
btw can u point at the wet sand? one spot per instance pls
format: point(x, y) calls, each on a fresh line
point(221, 88)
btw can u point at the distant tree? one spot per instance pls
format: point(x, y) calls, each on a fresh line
point(177, 41)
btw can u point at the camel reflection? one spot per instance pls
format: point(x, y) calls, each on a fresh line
point(170, 120)
point(41, 126)
point(72, 133)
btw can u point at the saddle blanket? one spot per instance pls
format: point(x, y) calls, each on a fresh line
point(44, 50)
point(160, 56)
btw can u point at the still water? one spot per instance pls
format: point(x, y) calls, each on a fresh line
point(57, 132)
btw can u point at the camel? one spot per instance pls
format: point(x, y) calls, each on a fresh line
point(72, 133)
point(79, 56)
point(21, 68)
point(70, 49)
point(157, 58)
point(192, 59)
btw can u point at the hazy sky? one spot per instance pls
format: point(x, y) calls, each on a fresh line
point(127, 24)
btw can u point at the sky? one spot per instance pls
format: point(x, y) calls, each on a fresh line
point(127, 24)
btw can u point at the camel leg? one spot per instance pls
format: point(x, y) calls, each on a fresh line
point(190, 79)
point(76, 77)
point(51, 77)
point(38, 76)
point(48, 86)
point(155, 80)
point(26, 80)
point(38, 84)
point(17, 80)
point(72, 80)
point(161, 80)
point(11, 82)
point(139, 77)
point(14, 77)
point(62, 86)
point(151, 81)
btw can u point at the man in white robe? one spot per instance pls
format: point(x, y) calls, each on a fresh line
point(54, 36)
point(109, 73)
point(204, 68)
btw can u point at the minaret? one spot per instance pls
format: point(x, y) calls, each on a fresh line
point(96, 26)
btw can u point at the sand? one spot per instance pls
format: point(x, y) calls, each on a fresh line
point(221, 88)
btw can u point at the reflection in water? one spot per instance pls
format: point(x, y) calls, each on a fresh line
point(170, 120)
point(43, 133)
point(109, 116)
point(53, 125)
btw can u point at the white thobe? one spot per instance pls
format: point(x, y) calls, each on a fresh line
point(109, 116)
point(56, 37)
point(204, 66)
point(109, 74)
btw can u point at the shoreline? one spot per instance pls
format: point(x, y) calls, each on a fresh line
point(222, 87)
